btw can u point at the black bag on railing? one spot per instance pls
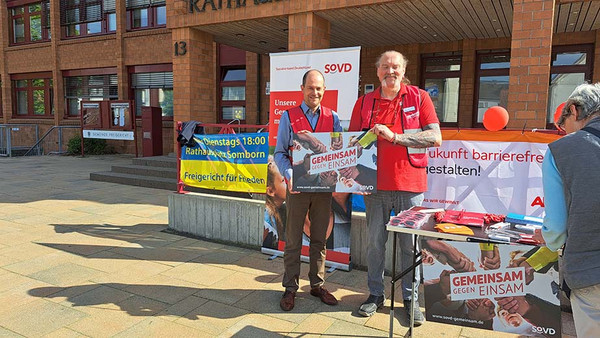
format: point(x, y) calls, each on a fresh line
point(186, 134)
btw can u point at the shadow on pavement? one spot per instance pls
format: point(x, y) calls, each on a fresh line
point(185, 302)
point(145, 242)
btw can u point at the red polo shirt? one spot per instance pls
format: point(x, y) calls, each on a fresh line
point(394, 171)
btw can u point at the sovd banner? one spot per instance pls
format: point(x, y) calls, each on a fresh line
point(340, 67)
point(482, 171)
point(514, 290)
point(233, 162)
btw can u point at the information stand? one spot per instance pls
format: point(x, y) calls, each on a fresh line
point(109, 120)
point(505, 280)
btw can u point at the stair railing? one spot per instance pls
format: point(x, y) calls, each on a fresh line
point(60, 143)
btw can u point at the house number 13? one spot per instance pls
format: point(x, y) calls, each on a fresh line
point(180, 48)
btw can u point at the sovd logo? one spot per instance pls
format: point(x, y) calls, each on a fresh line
point(337, 67)
point(543, 330)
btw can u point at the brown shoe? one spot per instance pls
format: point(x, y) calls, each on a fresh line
point(287, 301)
point(326, 296)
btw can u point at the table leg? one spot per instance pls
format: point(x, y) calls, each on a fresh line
point(404, 272)
point(416, 254)
point(393, 286)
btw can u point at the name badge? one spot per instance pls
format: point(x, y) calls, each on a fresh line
point(408, 109)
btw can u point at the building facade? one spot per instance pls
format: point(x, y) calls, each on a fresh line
point(208, 60)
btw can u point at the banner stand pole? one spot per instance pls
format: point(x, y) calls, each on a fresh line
point(180, 184)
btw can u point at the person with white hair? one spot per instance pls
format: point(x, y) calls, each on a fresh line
point(404, 119)
point(572, 203)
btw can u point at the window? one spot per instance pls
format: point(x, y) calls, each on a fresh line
point(32, 95)
point(30, 23)
point(571, 66)
point(142, 14)
point(89, 87)
point(441, 80)
point(153, 89)
point(87, 17)
point(492, 82)
point(233, 94)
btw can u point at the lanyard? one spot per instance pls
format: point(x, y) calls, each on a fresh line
point(374, 112)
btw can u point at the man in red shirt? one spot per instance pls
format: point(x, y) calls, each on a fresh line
point(404, 119)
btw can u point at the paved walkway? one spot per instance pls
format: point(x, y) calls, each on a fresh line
point(83, 258)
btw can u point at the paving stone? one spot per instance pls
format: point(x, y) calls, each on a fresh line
point(314, 324)
point(181, 308)
point(26, 319)
point(212, 317)
point(257, 325)
point(65, 332)
point(206, 274)
point(66, 274)
point(164, 289)
point(340, 327)
point(156, 327)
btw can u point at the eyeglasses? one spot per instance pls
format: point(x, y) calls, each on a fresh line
point(560, 124)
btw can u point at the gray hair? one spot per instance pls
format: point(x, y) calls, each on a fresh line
point(586, 98)
point(402, 58)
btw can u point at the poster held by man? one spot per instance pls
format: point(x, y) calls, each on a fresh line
point(340, 162)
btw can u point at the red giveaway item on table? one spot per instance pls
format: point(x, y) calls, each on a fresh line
point(409, 219)
point(463, 217)
point(439, 216)
point(493, 218)
point(527, 239)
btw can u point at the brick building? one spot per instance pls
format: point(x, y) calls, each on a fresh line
point(207, 60)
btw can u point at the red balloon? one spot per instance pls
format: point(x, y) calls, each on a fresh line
point(495, 118)
point(558, 111)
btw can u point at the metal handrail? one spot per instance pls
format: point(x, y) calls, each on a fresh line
point(60, 128)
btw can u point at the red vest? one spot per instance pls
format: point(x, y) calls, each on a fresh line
point(299, 122)
point(404, 122)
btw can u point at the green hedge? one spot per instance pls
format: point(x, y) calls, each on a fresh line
point(91, 146)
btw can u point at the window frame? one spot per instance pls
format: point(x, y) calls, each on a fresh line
point(83, 25)
point(230, 103)
point(44, 21)
point(48, 94)
point(587, 69)
point(486, 72)
point(152, 17)
point(154, 92)
point(442, 75)
point(86, 73)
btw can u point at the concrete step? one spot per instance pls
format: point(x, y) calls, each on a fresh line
point(132, 179)
point(156, 183)
point(156, 161)
point(144, 170)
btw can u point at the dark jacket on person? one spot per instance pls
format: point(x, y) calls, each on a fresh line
point(577, 158)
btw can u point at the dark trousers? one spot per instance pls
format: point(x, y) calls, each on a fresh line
point(318, 207)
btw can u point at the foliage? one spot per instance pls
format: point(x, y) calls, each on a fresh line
point(167, 103)
point(90, 146)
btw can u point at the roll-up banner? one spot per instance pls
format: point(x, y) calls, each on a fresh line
point(340, 68)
